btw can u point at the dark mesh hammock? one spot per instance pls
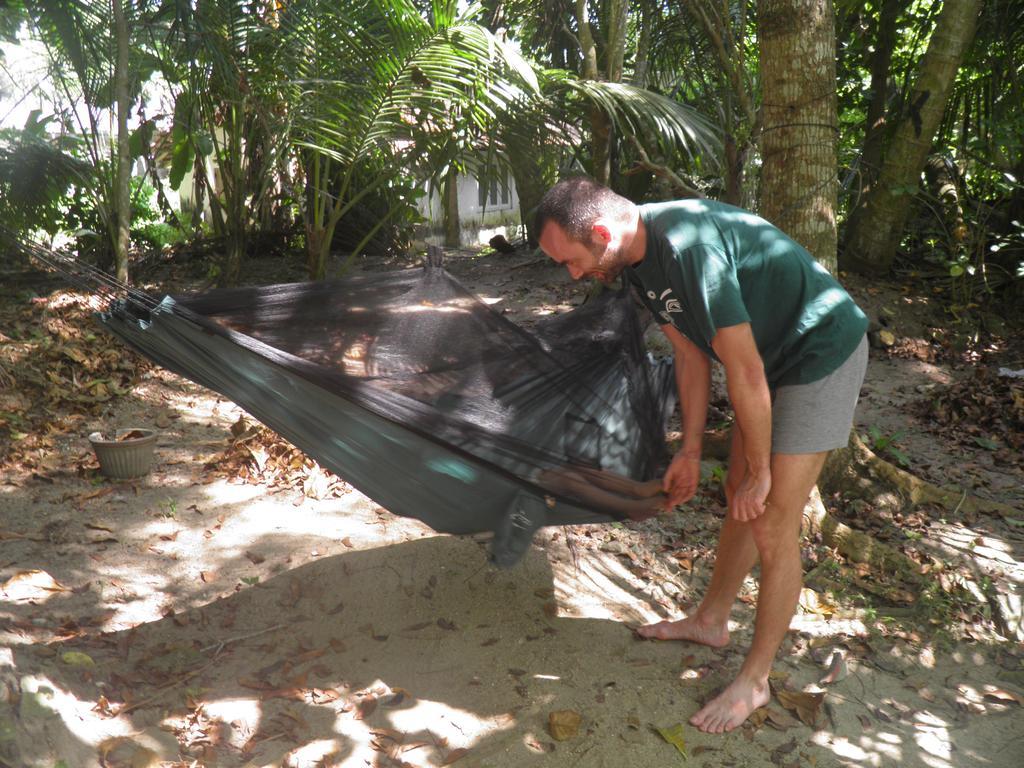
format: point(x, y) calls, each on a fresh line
point(427, 400)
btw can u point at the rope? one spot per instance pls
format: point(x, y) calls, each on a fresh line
point(86, 277)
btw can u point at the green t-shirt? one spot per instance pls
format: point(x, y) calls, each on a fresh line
point(709, 265)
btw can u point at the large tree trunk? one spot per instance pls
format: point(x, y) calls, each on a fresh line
point(122, 174)
point(876, 224)
point(798, 139)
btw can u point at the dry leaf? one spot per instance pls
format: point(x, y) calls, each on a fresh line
point(836, 669)
point(365, 708)
point(31, 585)
point(564, 724)
point(758, 717)
point(674, 736)
point(806, 705)
point(145, 758)
point(455, 754)
point(781, 751)
point(781, 719)
point(1001, 694)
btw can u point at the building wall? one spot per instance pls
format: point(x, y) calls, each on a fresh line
point(478, 222)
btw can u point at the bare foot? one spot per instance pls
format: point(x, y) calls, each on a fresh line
point(691, 629)
point(732, 706)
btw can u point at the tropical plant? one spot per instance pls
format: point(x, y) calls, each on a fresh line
point(876, 224)
point(36, 172)
point(377, 88)
point(89, 64)
point(230, 128)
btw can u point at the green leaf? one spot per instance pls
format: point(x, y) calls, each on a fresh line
point(955, 270)
point(900, 456)
point(140, 139)
point(204, 143)
point(77, 659)
point(250, 580)
point(182, 157)
point(987, 443)
point(675, 737)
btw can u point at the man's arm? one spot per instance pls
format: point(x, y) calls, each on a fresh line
point(752, 403)
point(693, 379)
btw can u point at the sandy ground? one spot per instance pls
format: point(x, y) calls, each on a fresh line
point(189, 621)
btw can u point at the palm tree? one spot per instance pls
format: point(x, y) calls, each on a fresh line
point(376, 87)
point(218, 59)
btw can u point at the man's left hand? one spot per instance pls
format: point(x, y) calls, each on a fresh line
point(749, 500)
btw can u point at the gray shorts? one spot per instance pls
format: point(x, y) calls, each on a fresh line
point(815, 417)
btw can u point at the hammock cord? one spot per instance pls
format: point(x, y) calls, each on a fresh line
point(88, 278)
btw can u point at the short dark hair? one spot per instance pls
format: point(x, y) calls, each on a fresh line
point(576, 203)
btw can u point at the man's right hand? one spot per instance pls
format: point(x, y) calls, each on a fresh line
point(681, 480)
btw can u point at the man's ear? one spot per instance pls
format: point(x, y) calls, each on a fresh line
point(601, 232)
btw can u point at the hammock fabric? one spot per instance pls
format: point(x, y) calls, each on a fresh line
point(426, 399)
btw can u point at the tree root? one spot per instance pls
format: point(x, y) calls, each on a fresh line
point(856, 470)
point(856, 546)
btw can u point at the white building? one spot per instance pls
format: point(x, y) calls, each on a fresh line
point(487, 207)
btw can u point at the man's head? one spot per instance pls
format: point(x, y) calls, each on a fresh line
point(587, 228)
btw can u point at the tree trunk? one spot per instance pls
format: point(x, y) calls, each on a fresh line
point(450, 193)
point(881, 60)
point(122, 175)
point(643, 44)
point(735, 163)
point(798, 134)
point(876, 224)
point(600, 125)
point(535, 169)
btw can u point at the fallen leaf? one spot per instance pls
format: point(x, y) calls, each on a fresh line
point(455, 754)
point(145, 758)
point(302, 658)
point(1001, 694)
point(806, 705)
point(836, 669)
point(77, 659)
point(758, 717)
point(365, 708)
point(782, 750)
point(781, 719)
point(31, 585)
point(674, 736)
point(564, 724)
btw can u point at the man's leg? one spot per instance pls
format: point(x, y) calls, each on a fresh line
point(776, 535)
point(735, 556)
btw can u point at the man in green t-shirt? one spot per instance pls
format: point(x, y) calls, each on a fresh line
point(726, 285)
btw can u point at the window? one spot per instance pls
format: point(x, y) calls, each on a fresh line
point(492, 190)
